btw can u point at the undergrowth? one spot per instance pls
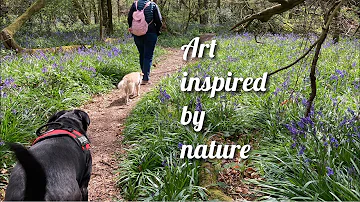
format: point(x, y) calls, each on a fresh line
point(301, 158)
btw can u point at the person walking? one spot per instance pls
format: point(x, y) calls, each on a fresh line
point(146, 43)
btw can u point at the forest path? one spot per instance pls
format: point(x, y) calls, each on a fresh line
point(108, 113)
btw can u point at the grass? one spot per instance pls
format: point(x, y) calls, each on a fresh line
point(292, 154)
point(33, 87)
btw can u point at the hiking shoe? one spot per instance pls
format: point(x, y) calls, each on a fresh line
point(143, 82)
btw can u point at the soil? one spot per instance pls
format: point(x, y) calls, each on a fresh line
point(108, 113)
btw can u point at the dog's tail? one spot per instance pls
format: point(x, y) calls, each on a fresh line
point(35, 186)
point(121, 84)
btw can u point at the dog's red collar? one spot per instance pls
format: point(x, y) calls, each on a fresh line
point(79, 138)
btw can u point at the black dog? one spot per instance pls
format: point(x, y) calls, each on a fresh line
point(58, 165)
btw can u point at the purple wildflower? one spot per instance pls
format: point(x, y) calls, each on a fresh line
point(8, 82)
point(286, 83)
point(304, 102)
point(14, 111)
point(302, 149)
point(353, 64)
point(164, 164)
point(350, 111)
point(44, 70)
point(198, 106)
point(292, 129)
point(3, 95)
point(329, 171)
point(307, 120)
point(276, 91)
point(164, 95)
point(293, 145)
point(334, 101)
point(301, 124)
point(333, 141)
point(334, 77)
point(180, 145)
point(326, 144)
point(341, 73)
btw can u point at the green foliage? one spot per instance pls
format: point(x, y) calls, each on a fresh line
point(290, 173)
point(34, 87)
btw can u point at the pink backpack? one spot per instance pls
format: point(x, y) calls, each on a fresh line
point(139, 25)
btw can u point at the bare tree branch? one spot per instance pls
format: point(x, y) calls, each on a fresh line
point(266, 14)
point(321, 40)
point(296, 61)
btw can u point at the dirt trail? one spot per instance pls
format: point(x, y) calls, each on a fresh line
point(108, 113)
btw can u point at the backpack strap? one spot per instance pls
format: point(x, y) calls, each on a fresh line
point(146, 5)
point(136, 2)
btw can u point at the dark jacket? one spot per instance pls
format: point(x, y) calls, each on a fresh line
point(152, 14)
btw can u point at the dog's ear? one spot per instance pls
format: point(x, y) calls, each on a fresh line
point(57, 115)
point(84, 117)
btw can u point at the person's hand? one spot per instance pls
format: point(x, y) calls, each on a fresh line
point(130, 30)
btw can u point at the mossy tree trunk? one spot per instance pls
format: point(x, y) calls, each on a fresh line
point(7, 34)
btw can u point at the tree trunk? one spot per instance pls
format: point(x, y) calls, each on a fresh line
point(81, 12)
point(336, 35)
point(203, 4)
point(101, 19)
point(96, 15)
point(110, 27)
point(205, 14)
point(218, 4)
point(103, 13)
point(6, 35)
point(118, 9)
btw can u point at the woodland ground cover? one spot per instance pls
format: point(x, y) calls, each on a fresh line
point(33, 87)
point(303, 158)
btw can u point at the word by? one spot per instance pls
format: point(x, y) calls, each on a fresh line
point(218, 84)
point(194, 44)
point(197, 121)
point(201, 151)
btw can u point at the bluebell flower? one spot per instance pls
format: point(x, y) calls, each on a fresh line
point(292, 129)
point(293, 145)
point(301, 124)
point(329, 171)
point(334, 77)
point(276, 91)
point(44, 70)
point(353, 64)
point(304, 101)
point(164, 164)
point(302, 149)
point(333, 141)
point(334, 101)
point(8, 82)
point(180, 145)
point(350, 111)
point(286, 83)
point(3, 95)
point(198, 106)
point(326, 144)
point(341, 73)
